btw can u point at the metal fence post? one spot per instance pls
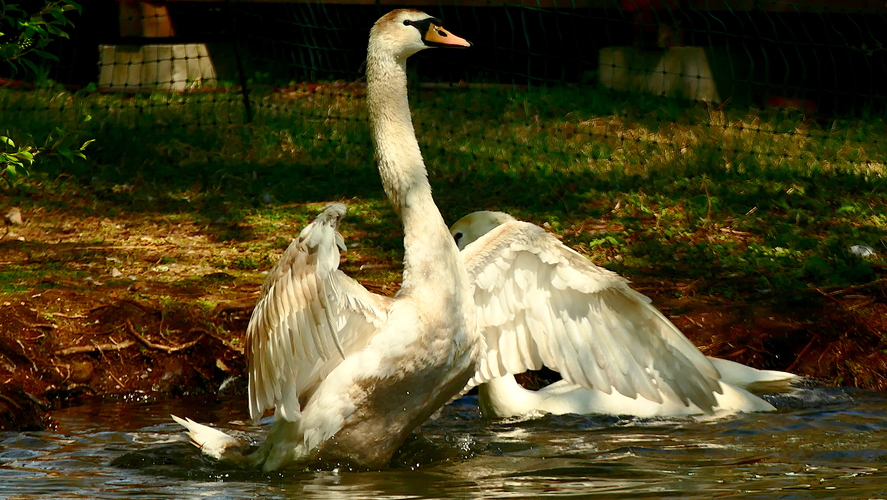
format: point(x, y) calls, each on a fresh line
point(244, 89)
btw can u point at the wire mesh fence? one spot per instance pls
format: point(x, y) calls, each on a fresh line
point(554, 86)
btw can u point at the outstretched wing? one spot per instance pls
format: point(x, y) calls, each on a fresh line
point(541, 303)
point(310, 315)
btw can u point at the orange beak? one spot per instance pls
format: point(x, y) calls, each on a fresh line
point(436, 36)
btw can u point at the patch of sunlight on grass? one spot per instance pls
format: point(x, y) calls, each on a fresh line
point(748, 198)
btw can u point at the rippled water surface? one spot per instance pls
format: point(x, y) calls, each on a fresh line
point(823, 443)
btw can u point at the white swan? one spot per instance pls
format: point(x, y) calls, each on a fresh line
point(350, 374)
point(541, 303)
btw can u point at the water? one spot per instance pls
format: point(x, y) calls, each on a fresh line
point(823, 443)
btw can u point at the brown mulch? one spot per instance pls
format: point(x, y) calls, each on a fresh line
point(99, 345)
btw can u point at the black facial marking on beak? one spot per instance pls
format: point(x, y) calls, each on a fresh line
point(434, 35)
point(424, 24)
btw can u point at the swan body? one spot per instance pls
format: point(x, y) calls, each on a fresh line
point(542, 304)
point(349, 374)
point(504, 397)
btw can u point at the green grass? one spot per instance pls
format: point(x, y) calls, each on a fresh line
point(756, 203)
point(41, 276)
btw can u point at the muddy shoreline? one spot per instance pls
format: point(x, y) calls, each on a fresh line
point(101, 346)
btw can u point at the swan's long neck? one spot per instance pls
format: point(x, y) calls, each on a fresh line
point(430, 253)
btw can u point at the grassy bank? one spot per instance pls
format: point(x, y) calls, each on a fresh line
point(762, 204)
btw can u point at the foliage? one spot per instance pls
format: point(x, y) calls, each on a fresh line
point(27, 34)
point(16, 158)
point(23, 33)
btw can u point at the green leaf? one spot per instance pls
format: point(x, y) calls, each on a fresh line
point(46, 55)
point(59, 16)
point(7, 141)
point(73, 6)
point(55, 30)
point(30, 65)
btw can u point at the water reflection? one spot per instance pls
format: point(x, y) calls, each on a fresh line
point(823, 443)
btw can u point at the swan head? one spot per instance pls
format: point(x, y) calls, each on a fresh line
point(407, 31)
point(476, 224)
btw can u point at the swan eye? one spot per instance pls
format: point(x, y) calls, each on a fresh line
point(457, 237)
point(407, 23)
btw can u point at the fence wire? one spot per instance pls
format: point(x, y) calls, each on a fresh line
point(550, 85)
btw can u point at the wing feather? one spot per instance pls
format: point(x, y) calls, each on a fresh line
point(540, 302)
point(308, 317)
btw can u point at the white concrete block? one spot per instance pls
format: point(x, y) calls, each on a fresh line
point(673, 72)
point(169, 67)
